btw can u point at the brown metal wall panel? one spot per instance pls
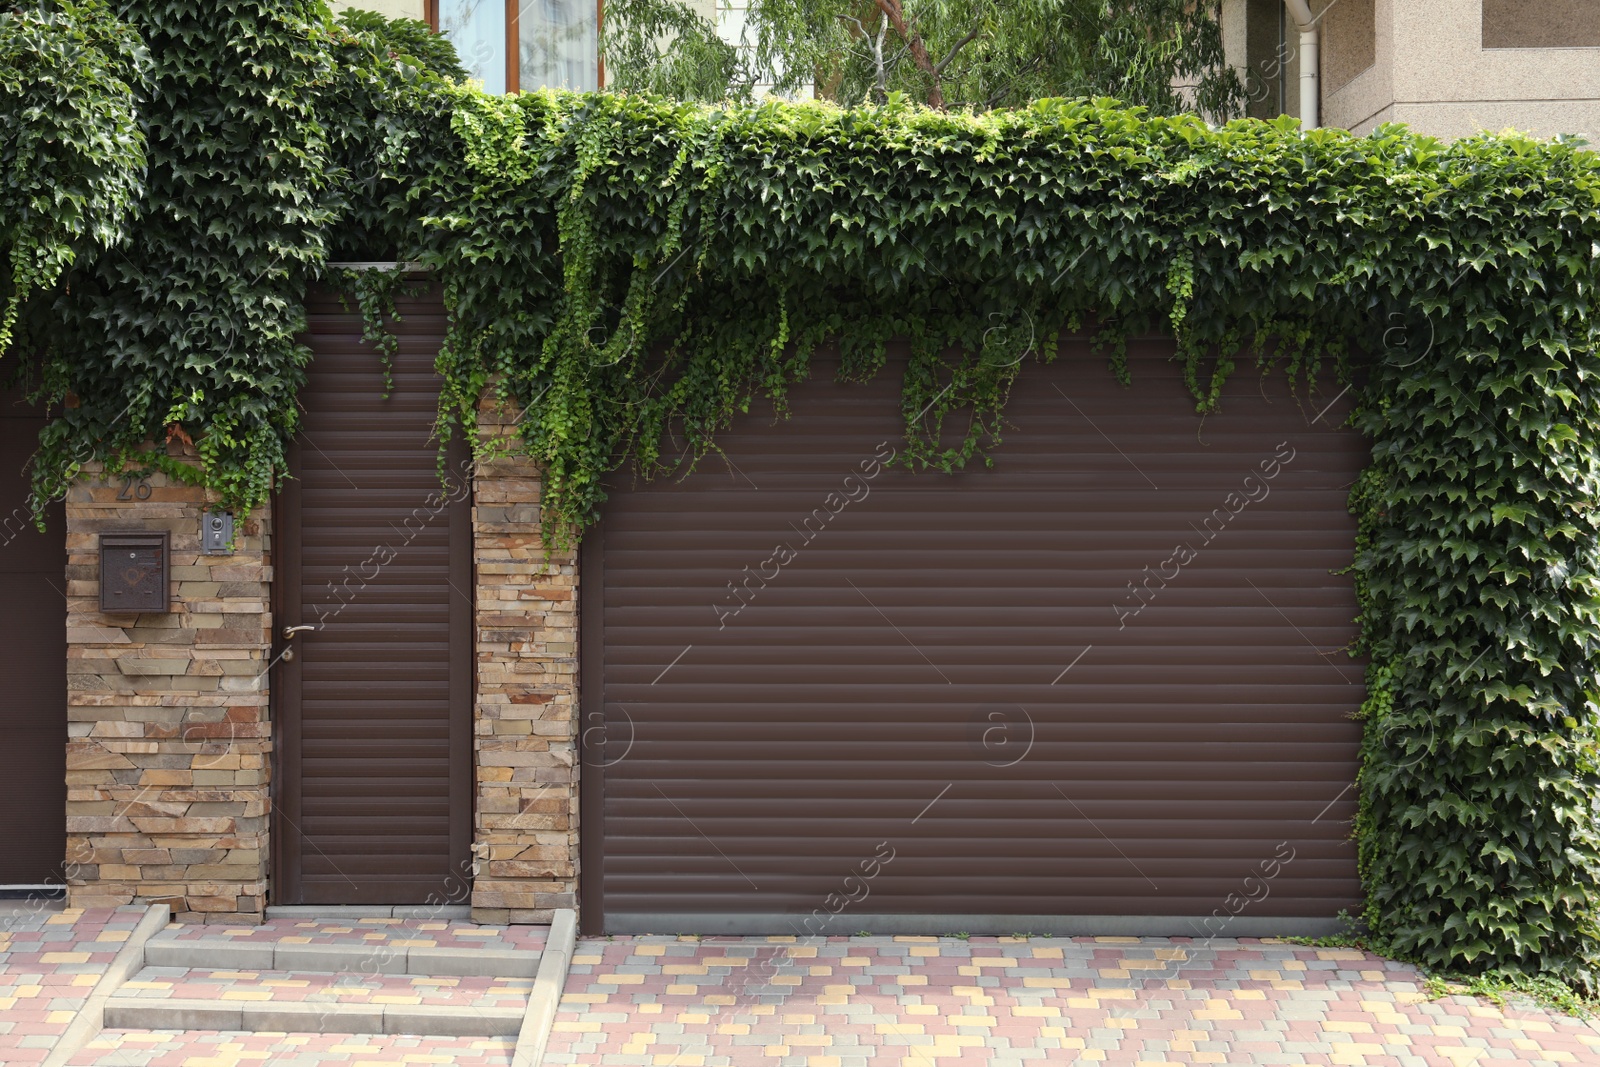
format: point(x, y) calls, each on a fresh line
point(375, 707)
point(33, 662)
point(943, 666)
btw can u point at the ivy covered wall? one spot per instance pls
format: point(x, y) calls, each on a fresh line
point(636, 270)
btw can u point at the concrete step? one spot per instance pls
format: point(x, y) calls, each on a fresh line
point(323, 1002)
point(369, 946)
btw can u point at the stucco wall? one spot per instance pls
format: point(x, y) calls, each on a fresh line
point(411, 9)
point(1432, 72)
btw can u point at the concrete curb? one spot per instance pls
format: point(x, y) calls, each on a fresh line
point(129, 961)
point(548, 986)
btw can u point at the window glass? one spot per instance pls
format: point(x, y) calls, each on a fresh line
point(478, 30)
point(559, 46)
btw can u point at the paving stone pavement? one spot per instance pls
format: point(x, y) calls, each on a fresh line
point(50, 959)
point(943, 1002)
point(851, 1002)
point(208, 1048)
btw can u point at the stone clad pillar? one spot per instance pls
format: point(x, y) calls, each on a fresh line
point(526, 823)
point(168, 753)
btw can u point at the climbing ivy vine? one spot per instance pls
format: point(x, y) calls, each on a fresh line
point(636, 272)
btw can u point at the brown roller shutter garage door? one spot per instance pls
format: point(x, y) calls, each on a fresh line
point(1099, 687)
point(33, 662)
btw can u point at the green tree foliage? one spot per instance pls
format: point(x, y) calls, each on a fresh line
point(1165, 55)
point(71, 153)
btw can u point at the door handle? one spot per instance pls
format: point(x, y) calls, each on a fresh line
point(290, 631)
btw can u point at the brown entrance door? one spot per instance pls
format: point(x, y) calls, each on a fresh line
point(374, 795)
point(33, 662)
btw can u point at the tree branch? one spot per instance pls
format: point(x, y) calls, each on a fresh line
point(958, 46)
point(919, 52)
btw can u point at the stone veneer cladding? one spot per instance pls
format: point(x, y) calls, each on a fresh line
point(526, 823)
point(169, 745)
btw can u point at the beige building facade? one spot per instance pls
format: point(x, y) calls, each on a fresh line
point(1449, 68)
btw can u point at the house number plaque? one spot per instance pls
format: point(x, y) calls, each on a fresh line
point(133, 573)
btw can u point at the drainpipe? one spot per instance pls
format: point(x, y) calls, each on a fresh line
point(1310, 94)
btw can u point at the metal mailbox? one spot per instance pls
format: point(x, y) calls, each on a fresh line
point(133, 573)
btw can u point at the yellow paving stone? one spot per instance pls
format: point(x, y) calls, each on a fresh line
point(834, 998)
point(1046, 982)
point(1143, 965)
point(734, 1028)
point(588, 998)
point(650, 950)
point(693, 1017)
point(1538, 1025)
point(1047, 954)
point(1177, 983)
point(787, 979)
point(902, 1029)
point(721, 999)
point(969, 972)
point(845, 989)
point(65, 918)
point(1265, 976)
point(763, 1009)
point(64, 957)
point(856, 961)
point(803, 952)
point(27, 990)
point(1348, 1027)
point(1249, 994)
point(246, 994)
point(782, 939)
point(1123, 1022)
point(1372, 976)
point(925, 950)
point(1208, 1057)
point(587, 961)
point(649, 1009)
point(60, 1016)
point(799, 1020)
point(1340, 954)
point(294, 940)
point(1113, 972)
point(775, 1050)
point(619, 979)
point(1461, 1054)
point(1294, 965)
point(822, 1061)
point(820, 971)
point(1116, 940)
point(677, 989)
point(920, 1009)
point(1113, 993)
point(113, 935)
point(1560, 1056)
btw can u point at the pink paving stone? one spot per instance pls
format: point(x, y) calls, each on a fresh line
point(49, 962)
